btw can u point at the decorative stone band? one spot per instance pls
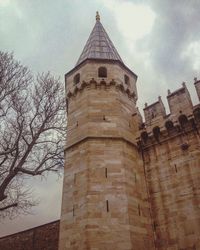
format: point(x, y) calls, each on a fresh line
point(85, 138)
point(120, 86)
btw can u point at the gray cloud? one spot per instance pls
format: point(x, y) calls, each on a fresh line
point(176, 26)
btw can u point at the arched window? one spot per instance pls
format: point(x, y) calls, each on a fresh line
point(102, 72)
point(144, 136)
point(183, 120)
point(77, 78)
point(156, 133)
point(169, 125)
point(126, 80)
point(197, 114)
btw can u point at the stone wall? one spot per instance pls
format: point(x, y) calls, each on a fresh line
point(44, 237)
point(170, 146)
point(172, 170)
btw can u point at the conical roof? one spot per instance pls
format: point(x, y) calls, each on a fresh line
point(99, 45)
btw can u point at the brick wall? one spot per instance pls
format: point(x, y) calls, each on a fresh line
point(44, 237)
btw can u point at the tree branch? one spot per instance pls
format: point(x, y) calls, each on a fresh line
point(8, 206)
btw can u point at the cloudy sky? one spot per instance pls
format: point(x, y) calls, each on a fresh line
point(159, 40)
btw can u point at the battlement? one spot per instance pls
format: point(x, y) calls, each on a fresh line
point(180, 101)
point(183, 116)
point(102, 83)
point(154, 113)
point(98, 73)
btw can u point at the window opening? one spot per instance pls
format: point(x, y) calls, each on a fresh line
point(77, 78)
point(102, 72)
point(126, 80)
point(107, 205)
point(139, 212)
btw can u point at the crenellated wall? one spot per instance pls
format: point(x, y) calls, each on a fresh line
point(154, 113)
point(89, 73)
point(181, 110)
point(170, 146)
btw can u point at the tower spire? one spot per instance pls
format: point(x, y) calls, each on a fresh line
point(99, 45)
point(97, 16)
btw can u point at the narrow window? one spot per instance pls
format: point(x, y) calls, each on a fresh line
point(175, 168)
point(107, 206)
point(169, 125)
point(135, 178)
point(74, 178)
point(126, 80)
point(102, 72)
point(154, 226)
point(139, 212)
point(77, 78)
point(106, 172)
point(73, 211)
point(67, 105)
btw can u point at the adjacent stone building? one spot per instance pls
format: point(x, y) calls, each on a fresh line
point(128, 184)
point(170, 147)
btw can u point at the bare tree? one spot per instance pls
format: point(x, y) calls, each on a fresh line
point(32, 131)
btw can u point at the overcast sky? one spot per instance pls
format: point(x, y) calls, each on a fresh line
point(159, 40)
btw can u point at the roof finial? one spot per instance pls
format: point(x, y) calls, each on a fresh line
point(97, 16)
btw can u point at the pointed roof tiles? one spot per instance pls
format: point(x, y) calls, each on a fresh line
point(99, 45)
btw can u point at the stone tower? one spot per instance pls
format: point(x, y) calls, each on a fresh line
point(105, 200)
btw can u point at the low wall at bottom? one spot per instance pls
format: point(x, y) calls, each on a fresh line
point(44, 237)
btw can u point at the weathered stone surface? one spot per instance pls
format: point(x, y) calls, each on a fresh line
point(173, 179)
point(172, 160)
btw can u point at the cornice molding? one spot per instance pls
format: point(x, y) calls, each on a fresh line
point(120, 138)
point(119, 86)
